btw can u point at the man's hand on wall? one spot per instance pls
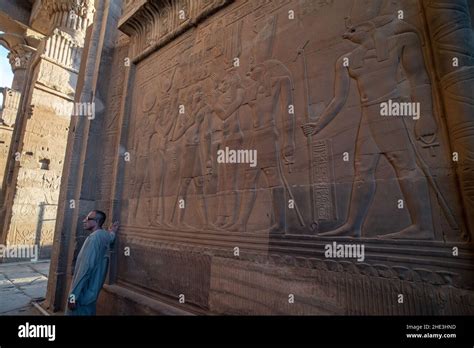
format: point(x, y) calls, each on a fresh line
point(114, 228)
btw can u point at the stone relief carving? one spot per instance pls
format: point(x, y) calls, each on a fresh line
point(143, 171)
point(383, 43)
point(239, 79)
point(273, 97)
point(229, 99)
point(248, 108)
point(191, 169)
point(153, 24)
point(160, 147)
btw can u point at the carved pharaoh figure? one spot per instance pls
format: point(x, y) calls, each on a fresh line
point(274, 95)
point(159, 148)
point(143, 170)
point(191, 169)
point(229, 99)
point(383, 43)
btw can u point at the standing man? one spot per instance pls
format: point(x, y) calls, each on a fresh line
point(91, 265)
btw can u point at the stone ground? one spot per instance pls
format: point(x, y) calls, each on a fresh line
point(20, 285)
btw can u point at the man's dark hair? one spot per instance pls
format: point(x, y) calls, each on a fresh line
point(100, 217)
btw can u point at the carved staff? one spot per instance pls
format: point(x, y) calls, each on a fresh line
point(288, 189)
point(439, 195)
point(314, 216)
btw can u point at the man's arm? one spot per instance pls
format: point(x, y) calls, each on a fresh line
point(341, 92)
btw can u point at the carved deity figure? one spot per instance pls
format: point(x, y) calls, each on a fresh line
point(383, 44)
point(230, 97)
point(191, 169)
point(159, 148)
point(142, 142)
point(272, 100)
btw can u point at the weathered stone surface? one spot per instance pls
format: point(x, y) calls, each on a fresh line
point(8, 111)
point(105, 49)
point(20, 284)
point(238, 141)
point(330, 166)
point(31, 186)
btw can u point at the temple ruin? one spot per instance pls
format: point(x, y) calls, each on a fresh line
point(128, 106)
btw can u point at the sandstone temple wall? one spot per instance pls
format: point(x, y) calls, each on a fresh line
point(46, 63)
point(187, 81)
point(11, 99)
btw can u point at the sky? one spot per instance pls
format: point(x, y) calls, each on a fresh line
point(6, 75)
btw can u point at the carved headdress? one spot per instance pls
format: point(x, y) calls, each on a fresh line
point(377, 14)
point(263, 42)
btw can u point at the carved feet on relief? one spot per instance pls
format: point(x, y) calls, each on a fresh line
point(184, 226)
point(236, 228)
point(213, 226)
point(411, 232)
point(220, 224)
point(345, 230)
point(277, 229)
point(229, 225)
point(221, 221)
point(157, 222)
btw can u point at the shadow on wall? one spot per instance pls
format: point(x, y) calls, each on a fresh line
point(44, 249)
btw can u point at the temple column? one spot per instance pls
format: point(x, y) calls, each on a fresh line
point(102, 63)
point(39, 140)
point(11, 99)
point(19, 58)
point(452, 46)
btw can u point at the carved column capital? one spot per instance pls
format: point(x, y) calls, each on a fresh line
point(19, 56)
point(69, 21)
point(82, 8)
point(72, 16)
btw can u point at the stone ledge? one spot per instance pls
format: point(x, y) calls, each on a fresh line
point(118, 296)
